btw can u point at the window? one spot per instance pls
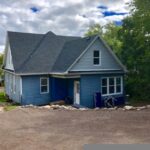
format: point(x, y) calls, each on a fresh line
point(96, 57)
point(104, 86)
point(111, 85)
point(44, 85)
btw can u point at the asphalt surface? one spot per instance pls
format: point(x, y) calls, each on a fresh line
point(43, 129)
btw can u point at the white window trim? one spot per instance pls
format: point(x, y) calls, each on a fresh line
point(115, 85)
point(47, 85)
point(97, 57)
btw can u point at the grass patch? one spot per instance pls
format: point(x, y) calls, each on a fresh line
point(10, 107)
point(6, 103)
point(2, 97)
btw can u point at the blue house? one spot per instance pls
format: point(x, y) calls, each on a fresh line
point(41, 68)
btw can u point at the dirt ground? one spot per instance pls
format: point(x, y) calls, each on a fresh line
point(43, 129)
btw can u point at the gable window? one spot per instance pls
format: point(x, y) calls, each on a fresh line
point(44, 85)
point(96, 57)
point(111, 85)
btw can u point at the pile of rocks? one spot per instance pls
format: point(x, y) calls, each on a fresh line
point(58, 107)
point(54, 107)
point(68, 107)
point(136, 108)
point(126, 108)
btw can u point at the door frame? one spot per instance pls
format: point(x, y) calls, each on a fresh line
point(75, 91)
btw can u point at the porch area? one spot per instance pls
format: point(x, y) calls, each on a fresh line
point(67, 89)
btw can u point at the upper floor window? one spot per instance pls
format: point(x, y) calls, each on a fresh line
point(96, 57)
point(44, 85)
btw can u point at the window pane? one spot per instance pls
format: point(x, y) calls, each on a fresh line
point(118, 80)
point(104, 90)
point(44, 81)
point(96, 61)
point(111, 81)
point(104, 82)
point(111, 89)
point(96, 53)
point(44, 89)
point(118, 88)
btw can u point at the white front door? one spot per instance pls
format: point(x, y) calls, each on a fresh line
point(76, 92)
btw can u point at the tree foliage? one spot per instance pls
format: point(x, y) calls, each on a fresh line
point(109, 33)
point(135, 54)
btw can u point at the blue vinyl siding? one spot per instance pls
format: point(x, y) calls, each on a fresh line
point(12, 86)
point(90, 84)
point(107, 60)
point(59, 88)
point(31, 91)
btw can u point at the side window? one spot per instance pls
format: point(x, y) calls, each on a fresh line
point(111, 85)
point(104, 86)
point(44, 85)
point(96, 57)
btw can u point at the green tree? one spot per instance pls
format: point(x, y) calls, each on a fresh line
point(109, 33)
point(95, 29)
point(111, 37)
point(135, 36)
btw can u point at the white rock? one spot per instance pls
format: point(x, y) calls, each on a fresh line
point(82, 109)
point(128, 107)
point(141, 108)
point(148, 106)
point(46, 106)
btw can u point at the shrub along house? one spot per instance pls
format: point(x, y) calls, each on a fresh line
point(41, 68)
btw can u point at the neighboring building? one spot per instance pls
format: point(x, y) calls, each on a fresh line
point(41, 68)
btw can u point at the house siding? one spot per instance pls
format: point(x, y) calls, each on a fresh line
point(31, 91)
point(63, 88)
point(12, 86)
point(9, 63)
point(90, 84)
point(107, 60)
point(59, 88)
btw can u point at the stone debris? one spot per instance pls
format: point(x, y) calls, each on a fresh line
point(129, 107)
point(148, 106)
point(1, 109)
point(58, 107)
point(69, 107)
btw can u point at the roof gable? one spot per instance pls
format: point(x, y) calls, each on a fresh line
point(70, 52)
point(107, 60)
point(21, 45)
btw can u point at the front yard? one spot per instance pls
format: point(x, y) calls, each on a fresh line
point(36, 128)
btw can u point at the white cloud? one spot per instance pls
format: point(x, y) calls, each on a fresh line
point(68, 17)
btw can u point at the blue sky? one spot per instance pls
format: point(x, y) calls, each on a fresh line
point(66, 17)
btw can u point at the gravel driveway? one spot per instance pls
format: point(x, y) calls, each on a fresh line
point(43, 129)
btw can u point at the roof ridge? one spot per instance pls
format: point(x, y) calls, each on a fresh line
point(33, 51)
point(62, 49)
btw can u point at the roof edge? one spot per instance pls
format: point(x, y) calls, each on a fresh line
point(82, 53)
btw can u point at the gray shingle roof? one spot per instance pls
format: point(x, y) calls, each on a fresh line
point(45, 53)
